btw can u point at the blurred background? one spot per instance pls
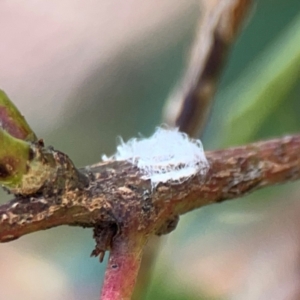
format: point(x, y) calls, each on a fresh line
point(85, 72)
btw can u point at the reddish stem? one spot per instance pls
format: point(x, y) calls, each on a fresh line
point(122, 268)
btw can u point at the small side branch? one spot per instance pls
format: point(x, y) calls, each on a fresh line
point(123, 266)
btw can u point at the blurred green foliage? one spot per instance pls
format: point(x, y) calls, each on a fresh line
point(252, 100)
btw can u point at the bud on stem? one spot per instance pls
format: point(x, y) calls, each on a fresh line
point(14, 156)
point(26, 166)
point(12, 121)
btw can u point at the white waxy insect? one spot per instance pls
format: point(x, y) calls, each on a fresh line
point(167, 156)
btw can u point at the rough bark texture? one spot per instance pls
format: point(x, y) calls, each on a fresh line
point(116, 194)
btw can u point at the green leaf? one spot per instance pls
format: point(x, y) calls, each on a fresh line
point(258, 93)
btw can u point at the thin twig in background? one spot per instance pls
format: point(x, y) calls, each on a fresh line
point(189, 106)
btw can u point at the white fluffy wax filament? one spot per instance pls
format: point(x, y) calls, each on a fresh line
point(167, 156)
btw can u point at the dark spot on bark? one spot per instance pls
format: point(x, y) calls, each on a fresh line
point(58, 201)
point(115, 266)
point(41, 142)
point(103, 235)
point(4, 173)
point(31, 155)
point(146, 203)
point(168, 226)
point(8, 238)
point(31, 209)
point(132, 187)
point(29, 218)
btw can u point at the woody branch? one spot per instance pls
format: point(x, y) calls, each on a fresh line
point(232, 173)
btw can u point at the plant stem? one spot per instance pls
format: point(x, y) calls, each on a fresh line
point(123, 266)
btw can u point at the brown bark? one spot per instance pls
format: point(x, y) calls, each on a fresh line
point(117, 195)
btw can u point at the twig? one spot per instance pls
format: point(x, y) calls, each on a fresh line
point(190, 104)
point(123, 266)
point(117, 194)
